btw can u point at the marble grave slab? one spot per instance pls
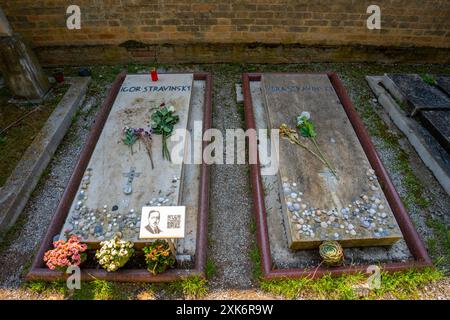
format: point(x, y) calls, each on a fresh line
point(317, 206)
point(101, 207)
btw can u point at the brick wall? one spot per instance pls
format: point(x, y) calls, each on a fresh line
point(115, 24)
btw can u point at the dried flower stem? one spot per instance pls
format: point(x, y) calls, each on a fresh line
point(292, 136)
point(148, 145)
point(333, 171)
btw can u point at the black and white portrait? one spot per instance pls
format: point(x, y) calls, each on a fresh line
point(162, 222)
point(154, 217)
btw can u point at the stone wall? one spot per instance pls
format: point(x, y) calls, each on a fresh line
point(123, 30)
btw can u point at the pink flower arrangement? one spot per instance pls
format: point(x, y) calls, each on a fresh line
point(65, 254)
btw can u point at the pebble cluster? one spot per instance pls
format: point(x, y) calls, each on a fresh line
point(99, 224)
point(364, 217)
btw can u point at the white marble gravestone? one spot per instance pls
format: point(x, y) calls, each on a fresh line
point(103, 206)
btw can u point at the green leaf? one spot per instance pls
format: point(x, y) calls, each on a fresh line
point(129, 138)
point(304, 132)
point(312, 131)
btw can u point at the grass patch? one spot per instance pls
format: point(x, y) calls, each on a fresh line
point(439, 244)
point(288, 288)
point(254, 254)
point(37, 286)
point(90, 290)
point(194, 287)
point(100, 290)
point(429, 79)
point(256, 261)
point(253, 227)
point(414, 194)
point(47, 288)
point(406, 285)
point(211, 268)
point(95, 290)
point(410, 181)
point(241, 112)
point(399, 285)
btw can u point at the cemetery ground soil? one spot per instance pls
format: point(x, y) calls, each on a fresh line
point(233, 259)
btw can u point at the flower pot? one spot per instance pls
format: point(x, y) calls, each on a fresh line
point(58, 75)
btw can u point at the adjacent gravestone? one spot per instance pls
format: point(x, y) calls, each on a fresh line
point(5, 28)
point(443, 82)
point(119, 180)
point(19, 66)
point(420, 95)
point(21, 70)
point(438, 124)
point(430, 102)
point(316, 205)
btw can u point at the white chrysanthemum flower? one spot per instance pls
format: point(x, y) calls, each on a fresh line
point(171, 108)
point(306, 115)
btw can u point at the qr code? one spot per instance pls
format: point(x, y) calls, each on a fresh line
point(173, 221)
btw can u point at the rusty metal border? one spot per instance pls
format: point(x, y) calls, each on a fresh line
point(412, 238)
point(39, 271)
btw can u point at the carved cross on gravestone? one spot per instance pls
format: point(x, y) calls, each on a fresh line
point(127, 189)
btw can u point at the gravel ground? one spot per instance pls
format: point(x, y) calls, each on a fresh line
point(231, 202)
point(230, 237)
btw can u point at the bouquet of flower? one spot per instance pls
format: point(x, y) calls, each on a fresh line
point(307, 130)
point(131, 135)
point(158, 256)
point(163, 122)
point(114, 254)
point(65, 254)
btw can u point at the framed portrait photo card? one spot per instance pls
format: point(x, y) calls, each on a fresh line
point(162, 222)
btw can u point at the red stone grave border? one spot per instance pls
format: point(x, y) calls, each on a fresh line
point(412, 238)
point(38, 269)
